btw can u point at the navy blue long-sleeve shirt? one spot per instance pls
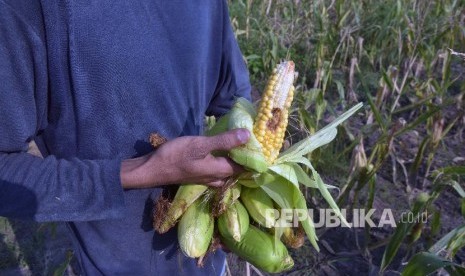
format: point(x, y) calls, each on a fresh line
point(89, 81)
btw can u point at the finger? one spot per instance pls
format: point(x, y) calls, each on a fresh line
point(225, 167)
point(216, 183)
point(228, 140)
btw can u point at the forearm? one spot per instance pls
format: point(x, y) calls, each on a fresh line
point(134, 174)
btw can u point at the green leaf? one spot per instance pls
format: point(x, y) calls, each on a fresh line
point(287, 172)
point(462, 207)
point(304, 161)
point(443, 243)
point(327, 196)
point(324, 190)
point(277, 188)
point(425, 263)
point(320, 138)
point(419, 158)
point(453, 170)
point(303, 177)
point(455, 270)
point(307, 145)
point(340, 89)
point(308, 225)
point(373, 107)
point(458, 188)
point(452, 241)
point(457, 243)
point(401, 232)
point(288, 196)
point(436, 223)
point(252, 56)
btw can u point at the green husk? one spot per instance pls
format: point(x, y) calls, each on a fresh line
point(168, 213)
point(236, 192)
point(262, 250)
point(195, 229)
point(288, 196)
point(225, 198)
point(248, 180)
point(249, 155)
point(221, 125)
point(258, 202)
point(234, 223)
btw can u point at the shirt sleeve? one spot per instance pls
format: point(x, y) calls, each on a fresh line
point(42, 189)
point(234, 78)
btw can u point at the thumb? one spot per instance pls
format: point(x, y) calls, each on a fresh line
point(228, 140)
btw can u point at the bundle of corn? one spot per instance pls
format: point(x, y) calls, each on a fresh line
point(272, 181)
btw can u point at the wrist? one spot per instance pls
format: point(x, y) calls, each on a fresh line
point(134, 175)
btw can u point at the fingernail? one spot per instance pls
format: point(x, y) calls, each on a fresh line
point(243, 135)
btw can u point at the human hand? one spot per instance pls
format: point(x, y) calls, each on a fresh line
point(185, 159)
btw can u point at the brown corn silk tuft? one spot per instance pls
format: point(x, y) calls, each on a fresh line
point(294, 237)
point(159, 213)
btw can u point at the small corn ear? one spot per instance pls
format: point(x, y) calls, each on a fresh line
point(234, 223)
point(225, 198)
point(236, 192)
point(167, 214)
point(262, 250)
point(258, 204)
point(195, 229)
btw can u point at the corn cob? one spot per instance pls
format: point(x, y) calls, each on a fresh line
point(261, 250)
point(272, 119)
point(195, 229)
point(234, 223)
point(167, 214)
point(257, 202)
